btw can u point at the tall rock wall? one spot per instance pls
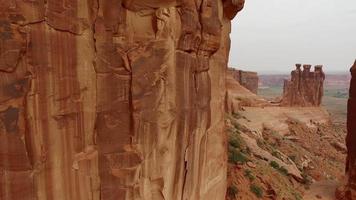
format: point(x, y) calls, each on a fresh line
point(351, 139)
point(305, 87)
point(247, 79)
point(113, 99)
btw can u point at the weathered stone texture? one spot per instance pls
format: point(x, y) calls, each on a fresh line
point(247, 79)
point(305, 87)
point(113, 99)
point(351, 139)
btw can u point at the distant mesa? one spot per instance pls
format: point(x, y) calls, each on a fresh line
point(306, 87)
point(247, 79)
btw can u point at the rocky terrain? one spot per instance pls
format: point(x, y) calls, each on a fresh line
point(336, 92)
point(133, 100)
point(282, 152)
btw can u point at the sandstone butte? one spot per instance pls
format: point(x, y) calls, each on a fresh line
point(247, 79)
point(113, 99)
point(305, 87)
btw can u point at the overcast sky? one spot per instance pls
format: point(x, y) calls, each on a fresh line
point(273, 35)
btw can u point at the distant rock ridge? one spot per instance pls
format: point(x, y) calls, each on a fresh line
point(305, 87)
point(247, 79)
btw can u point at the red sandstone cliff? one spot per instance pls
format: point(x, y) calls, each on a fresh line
point(351, 138)
point(247, 79)
point(113, 99)
point(305, 87)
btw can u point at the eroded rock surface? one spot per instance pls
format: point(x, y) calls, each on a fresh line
point(238, 96)
point(305, 87)
point(113, 99)
point(351, 139)
point(247, 79)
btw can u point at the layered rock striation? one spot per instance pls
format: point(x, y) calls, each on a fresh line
point(305, 87)
point(115, 99)
point(247, 79)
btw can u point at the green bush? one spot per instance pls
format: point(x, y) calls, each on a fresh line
point(283, 170)
point(237, 125)
point(235, 142)
point(276, 154)
point(306, 179)
point(236, 157)
point(232, 191)
point(297, 196)
point(274, 164)
point(257, 190)
point(249, 175)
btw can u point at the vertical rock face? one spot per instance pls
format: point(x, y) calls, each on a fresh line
point(247, 79)
point(113, 99)
point(351, 138)
point(305, 87)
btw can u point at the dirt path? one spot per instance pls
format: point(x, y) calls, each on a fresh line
point(324, 190)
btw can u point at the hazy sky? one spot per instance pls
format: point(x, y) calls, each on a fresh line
point(273, 35)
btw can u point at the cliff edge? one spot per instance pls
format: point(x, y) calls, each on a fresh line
point(116, 99)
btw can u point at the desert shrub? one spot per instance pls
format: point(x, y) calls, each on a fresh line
point(249, 175)
point(237, 125)
point(274, 164)
point(257, 190)
point(276, 154)
point(237, 157)
point(283, 170)
point(297, 196)
point(232, 191)
point(235, 142)
point(279, 168)
point(293, 158)
point(306, 180)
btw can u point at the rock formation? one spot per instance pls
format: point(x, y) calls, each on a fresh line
point(305, 87)
point(238, 96)
point(351, 138)
point(247, 79)
point(113, 99)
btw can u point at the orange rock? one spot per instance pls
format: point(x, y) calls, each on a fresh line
point(113, 99)
point(350, 189)
point(247, 79)
point(305, 87)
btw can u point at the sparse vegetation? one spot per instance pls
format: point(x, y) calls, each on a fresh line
point(237, 157)
point(237, 125)
point(235, 142)
point(236, 115)
point(297, 196)
point(249, 175)
point(306, 180)
point(232, 191)
point(283, 170)
point(274, 164)
point(257, 190)
point(276, 154)
point(279, 168)
point(293, 158)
